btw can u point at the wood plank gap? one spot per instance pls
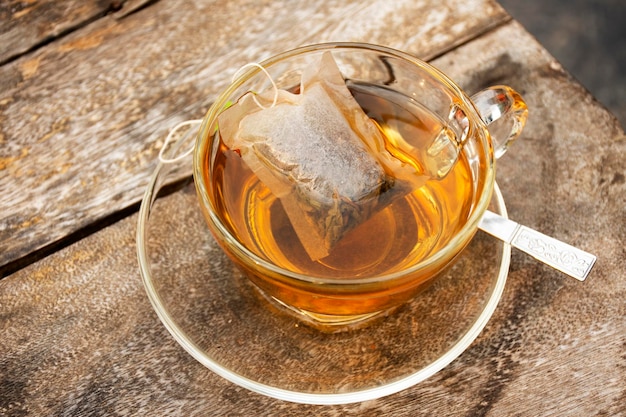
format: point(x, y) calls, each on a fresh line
point(115, 8)
point(130, 7)
point(464, 41)
point(102, 223)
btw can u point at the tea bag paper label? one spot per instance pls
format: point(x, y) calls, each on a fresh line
point(319, 153)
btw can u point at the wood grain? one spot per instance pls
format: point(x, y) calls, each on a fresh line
point(80, 338)
point(27, 25)
point(82, 119)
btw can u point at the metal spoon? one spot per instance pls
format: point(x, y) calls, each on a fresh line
point(559, 255)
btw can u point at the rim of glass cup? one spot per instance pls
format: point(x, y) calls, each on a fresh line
point(209, 120)
point(150, 196)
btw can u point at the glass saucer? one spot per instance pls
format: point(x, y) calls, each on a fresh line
point(215, 314)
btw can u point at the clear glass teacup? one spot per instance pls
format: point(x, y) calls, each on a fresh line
point(395, 251)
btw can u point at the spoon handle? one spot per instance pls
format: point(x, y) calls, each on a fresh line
point(559, 255)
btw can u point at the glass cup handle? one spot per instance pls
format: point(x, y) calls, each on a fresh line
point(504, 112)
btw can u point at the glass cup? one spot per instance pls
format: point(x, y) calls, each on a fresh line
point(403, 246)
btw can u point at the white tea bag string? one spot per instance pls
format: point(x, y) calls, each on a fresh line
point(197, 122)
point(269, 77)
point(168, 139)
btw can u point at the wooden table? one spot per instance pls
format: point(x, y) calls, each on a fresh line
point(87, 94)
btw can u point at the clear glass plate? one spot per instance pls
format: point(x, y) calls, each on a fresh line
point(219, 318)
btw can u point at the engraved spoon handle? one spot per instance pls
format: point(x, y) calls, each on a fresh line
point(559, 255)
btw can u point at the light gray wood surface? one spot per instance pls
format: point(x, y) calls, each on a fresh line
point(83, 118)
point(79, 336)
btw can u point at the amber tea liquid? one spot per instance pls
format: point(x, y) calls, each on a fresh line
point(396, 237)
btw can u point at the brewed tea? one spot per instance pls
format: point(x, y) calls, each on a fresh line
point(396, 237)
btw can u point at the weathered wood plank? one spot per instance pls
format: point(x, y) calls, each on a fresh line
point(81, 120)
point(79, 336)
point(556, 347)
point(28, 24)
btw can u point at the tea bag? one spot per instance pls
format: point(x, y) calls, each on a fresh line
point(319, 153)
